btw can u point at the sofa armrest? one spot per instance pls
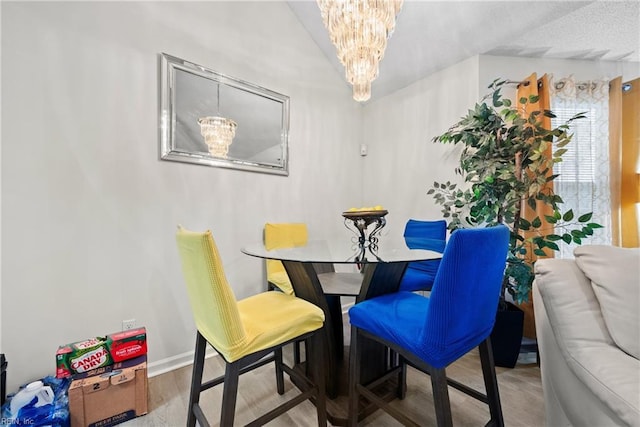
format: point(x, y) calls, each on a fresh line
point(574, 315)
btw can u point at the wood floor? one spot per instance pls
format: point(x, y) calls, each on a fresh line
point(520, 392)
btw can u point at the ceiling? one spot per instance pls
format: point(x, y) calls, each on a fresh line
point(432, 35)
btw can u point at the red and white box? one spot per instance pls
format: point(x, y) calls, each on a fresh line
point(127, 344)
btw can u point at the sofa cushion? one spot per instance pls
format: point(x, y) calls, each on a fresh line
point(579, 331)
point(615, 277)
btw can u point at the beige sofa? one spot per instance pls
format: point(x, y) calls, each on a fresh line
point(588, 329)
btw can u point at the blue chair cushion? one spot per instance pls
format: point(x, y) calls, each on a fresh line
point(399, 318)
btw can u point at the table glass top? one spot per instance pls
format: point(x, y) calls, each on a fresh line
point(344, 251)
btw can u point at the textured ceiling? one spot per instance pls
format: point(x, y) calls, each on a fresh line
point(432, 35)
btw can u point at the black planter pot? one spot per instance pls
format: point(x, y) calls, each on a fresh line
point(506, 336)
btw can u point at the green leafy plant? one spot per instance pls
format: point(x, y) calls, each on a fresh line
point(504, 164)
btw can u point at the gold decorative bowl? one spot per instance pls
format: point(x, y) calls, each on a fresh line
point(365, 214)
point(359, 222)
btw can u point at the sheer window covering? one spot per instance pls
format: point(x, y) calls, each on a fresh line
point(584, 172)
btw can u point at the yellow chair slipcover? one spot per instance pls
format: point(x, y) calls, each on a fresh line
point(279, 236)
point(240, 330)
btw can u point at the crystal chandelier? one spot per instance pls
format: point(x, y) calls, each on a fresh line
point(359, 29)
point(218, 132)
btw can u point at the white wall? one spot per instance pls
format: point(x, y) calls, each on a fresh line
point(403, 162)
point(89, 212)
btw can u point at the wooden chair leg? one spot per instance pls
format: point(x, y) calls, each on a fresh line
point(394, 360)
point(354, 377)
point(296, 353)
point(229, 394)
point(441, 398)
point(316, 360)
point(196, 378)
point(402, 378)
point(491, 383)
point(279, 371)
point(335, 308)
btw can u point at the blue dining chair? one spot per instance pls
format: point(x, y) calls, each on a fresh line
point(429, 235)
point(432, 332)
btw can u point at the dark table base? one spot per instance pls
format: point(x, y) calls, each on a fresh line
point(377, 279)
point(338, 407)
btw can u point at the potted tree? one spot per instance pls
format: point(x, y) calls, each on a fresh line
point(505, 169)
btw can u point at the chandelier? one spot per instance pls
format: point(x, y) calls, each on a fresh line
point(218, 132)
point(359, 29)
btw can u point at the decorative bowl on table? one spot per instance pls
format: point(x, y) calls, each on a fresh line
point(359, 221)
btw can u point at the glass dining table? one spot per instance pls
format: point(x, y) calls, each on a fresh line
point(381, 267)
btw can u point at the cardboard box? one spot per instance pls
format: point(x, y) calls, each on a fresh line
point(109, 399)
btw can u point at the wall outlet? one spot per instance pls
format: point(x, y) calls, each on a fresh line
point(128, 324)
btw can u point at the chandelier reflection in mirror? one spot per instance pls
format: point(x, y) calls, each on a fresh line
point(218, 132)
point(359, 29)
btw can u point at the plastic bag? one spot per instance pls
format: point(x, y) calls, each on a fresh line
point(55, 414)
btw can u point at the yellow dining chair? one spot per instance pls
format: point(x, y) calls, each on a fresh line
point(280, 236)
point(290, 235)
point(244, 333)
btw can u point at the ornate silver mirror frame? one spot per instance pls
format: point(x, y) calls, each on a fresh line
point(190, 93)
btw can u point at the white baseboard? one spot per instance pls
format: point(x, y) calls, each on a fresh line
point(175, 362)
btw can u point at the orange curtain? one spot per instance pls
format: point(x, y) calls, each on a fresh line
point(532, 86)
point(615, 156)
point(629, 177)
point(624, 139)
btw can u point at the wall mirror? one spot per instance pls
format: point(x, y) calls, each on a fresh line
point(212, 119)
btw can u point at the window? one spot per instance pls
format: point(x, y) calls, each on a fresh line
point(583, 183)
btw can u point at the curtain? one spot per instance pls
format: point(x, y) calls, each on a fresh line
point(630, 164)
point(615, 157)
point(584, 183)
point(532, 86)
